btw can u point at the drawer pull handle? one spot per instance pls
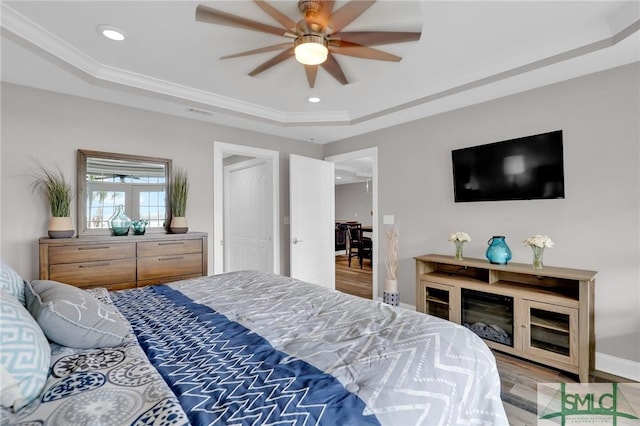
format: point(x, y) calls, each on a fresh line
point(173, 243)
point(95, 248)
point(93, 265)
point(170, 258)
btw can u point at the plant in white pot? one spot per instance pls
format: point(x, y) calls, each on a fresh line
point(59, 194)
point(390, 294)
point(178, 191)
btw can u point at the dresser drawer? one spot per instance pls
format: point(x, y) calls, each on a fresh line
point(170, 247)
point(169, 266)
point(91, 252)
point(92, 274)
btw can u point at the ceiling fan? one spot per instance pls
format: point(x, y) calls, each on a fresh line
point(316, 38)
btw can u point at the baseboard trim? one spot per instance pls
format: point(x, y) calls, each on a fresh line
point(402, 305)
point(618, 366)
point(408, 306)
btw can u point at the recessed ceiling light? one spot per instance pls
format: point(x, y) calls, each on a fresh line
point(313, 99)
point(111, 32)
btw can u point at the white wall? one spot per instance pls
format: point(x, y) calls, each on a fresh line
point(597, 225)
point(354, 203)
point(49, 128)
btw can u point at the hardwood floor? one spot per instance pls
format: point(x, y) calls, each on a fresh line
point(354, 280)
point(519, 379)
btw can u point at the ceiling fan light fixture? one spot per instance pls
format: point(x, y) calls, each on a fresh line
point(311, 49)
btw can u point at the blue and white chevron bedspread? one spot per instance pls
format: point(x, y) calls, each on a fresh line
point(253, 348)
point(223, 373)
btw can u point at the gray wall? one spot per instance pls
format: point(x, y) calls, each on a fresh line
point(49, 128)
point(596, 227)
point(353, 203)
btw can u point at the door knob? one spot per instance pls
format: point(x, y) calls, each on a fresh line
point(295, 240)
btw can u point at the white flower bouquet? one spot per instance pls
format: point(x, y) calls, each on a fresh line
point(541, 241)
point(538, 243)
point(460, 236)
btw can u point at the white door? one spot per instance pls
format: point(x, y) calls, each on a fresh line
point(248, 216)
point(311, 203)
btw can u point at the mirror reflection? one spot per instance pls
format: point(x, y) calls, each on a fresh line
point(139, 184)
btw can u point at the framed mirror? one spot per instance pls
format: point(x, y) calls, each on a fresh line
point(107, 180)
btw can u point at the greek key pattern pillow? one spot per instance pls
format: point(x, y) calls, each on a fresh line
point(25, 354)
point(12, 282)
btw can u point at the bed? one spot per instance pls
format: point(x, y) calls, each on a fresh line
point(249, 348)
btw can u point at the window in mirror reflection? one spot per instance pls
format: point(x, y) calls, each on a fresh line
point(139, 187)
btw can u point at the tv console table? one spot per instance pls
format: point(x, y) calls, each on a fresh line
point(545, 315)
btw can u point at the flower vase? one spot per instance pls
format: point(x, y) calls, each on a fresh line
point(459, 247)
point(390, 295)
point(119, 222)
point(537, 257)
point(498, 251)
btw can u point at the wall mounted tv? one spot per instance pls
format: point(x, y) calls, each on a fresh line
point(525, 168)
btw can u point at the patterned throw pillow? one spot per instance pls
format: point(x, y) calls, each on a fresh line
point(72, 317)
point(12, 282)
point(25, 354)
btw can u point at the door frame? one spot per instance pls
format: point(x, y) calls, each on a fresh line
point(354, 155)
point(243, 165)
point(219, 151)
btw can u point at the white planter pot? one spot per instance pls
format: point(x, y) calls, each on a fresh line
point(391, 286)
point(60, 227)
point(178, 225)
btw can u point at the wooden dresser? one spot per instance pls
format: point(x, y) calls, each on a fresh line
point(123, 262)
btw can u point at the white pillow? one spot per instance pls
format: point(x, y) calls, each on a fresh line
point(12, 282)
point(25, 354)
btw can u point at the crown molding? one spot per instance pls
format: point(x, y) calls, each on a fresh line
point(42, 39)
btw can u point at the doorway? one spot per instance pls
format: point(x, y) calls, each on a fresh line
point(246, 171)
point(360, 170)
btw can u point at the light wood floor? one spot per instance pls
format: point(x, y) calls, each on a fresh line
point(354, 280)
point(519, 380)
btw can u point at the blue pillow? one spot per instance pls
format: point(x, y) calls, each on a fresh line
point(12, 282)
point(25, 354)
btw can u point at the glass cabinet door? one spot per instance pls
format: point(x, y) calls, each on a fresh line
point(442, 301)
point(552, 331)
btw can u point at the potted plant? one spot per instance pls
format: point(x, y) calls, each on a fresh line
point(59, 194)
point(178, 191)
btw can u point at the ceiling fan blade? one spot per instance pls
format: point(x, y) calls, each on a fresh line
point(260, 50)
point(312, 72)
point(376, 38)
point(213, 16)
point(355, 50)
point(333, 67)
point(283, 19)
point(347, 14)
point(286, 54)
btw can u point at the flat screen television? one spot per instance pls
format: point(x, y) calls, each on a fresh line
point(525, 168)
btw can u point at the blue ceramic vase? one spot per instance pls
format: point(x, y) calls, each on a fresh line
point(498, 251)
